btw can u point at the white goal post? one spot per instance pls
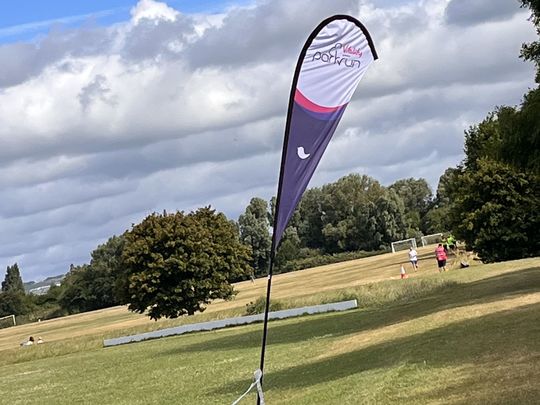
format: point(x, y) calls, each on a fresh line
point(403, 244)
point(7, 321)
point(431, 239)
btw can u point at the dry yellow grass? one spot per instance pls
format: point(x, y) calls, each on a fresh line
point(429, 322)
point(299, 283)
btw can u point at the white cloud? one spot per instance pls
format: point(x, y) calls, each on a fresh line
point(103, 125)
point(152, 10)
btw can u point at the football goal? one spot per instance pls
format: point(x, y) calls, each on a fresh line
point(403, 244)
point(7, 321)
point(431, 239)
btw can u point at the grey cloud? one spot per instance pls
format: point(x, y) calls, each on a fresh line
point(470, 12)
point(22, 61)
point(97, 89)
point(151, 39)
point(61, 193)
point(263, 34)
point(182, 188)
point(158, 114)
point(137, 161)
point(482, 54)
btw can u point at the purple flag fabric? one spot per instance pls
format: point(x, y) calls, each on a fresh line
point(334, 59)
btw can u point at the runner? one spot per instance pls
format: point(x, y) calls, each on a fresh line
point(440, 253)
point(413, 258)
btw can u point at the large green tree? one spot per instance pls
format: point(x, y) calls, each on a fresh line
point(77, 293)
point(13, 299)
point(14, 303)
point(497, 211)
point(494, 193)
point(354, 213)
point(254, 229)
point(417, 197)
point(13, 281)
point(494, 202)
point(177, 263)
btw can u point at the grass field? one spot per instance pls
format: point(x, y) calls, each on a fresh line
point(466, 336)
point(294, 287)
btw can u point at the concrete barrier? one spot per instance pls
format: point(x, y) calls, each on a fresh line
point(223, 323)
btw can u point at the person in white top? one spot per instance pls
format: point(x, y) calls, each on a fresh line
point(29, 342)
point(413, 258)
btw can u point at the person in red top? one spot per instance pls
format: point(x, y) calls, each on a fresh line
point(440, 253)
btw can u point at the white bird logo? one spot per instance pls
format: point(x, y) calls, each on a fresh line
point(301, 153)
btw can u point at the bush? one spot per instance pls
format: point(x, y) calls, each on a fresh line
point(257, 307)
point(323, 259)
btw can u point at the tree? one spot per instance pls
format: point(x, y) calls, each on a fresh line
point(97, 285)
point(311, 218)
point(437, 219)
point(177, 263)
point(288, 249)
point(531, 51)
point(13, 303)
point(416, 195)
point(13, 298)
point(360, 214)
point(75, 295)
point(13, 281)
point(391, 219)
point(106, 266)
point(446, 187)
point(493, 195)
point(520, 133)
point(497, 211)
point(254, 232)
point(482, 141)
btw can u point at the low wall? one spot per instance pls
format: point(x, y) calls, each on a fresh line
point(223, 323)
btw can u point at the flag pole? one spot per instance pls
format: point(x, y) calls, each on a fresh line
point(266, 310)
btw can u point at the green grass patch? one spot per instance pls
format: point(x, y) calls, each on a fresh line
point(463, 337)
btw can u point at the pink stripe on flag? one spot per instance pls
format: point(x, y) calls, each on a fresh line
point(310, 105)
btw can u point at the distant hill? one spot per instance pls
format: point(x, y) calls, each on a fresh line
point(31, 285)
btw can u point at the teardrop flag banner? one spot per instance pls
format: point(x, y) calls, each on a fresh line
point(333, 60)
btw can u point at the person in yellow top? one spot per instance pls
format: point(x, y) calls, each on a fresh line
point(451, 242)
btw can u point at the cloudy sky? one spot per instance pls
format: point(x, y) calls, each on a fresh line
point(111, 110)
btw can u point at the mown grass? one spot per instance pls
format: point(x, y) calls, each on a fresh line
point(116, 321)
point(468, 336)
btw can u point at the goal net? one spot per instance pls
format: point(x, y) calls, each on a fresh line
point(7, 321)
point(403, 244)
point(431, 239)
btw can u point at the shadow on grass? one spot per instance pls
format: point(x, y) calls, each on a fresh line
point(487, 342)
point(340, 324)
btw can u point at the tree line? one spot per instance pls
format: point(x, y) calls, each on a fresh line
point(354, 214)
